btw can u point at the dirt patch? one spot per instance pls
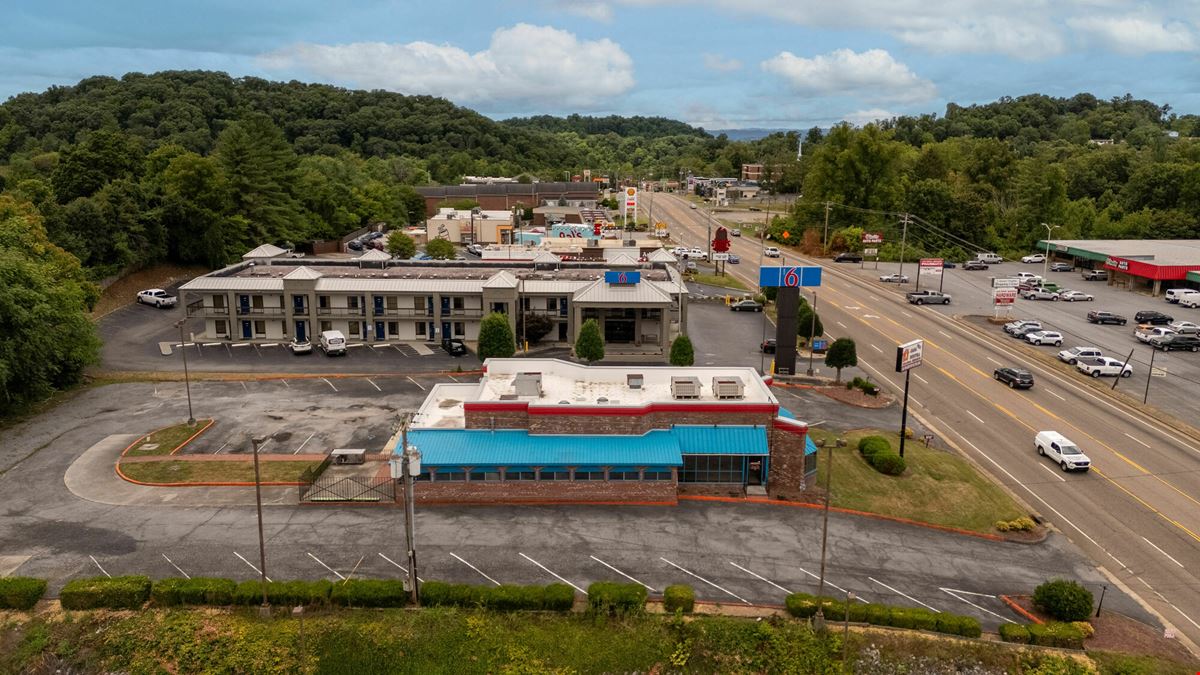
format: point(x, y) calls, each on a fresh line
point(124, 291)
point(856, 397)
point(1119, 633)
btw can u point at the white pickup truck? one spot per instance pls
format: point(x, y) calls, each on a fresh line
point(1104, 365)
point(1145, 331)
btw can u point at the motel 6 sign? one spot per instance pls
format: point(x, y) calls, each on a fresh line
point(804, 276)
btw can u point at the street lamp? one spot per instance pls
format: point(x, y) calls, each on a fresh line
point(1046, 262)
point(265, 610)
point(186, 380)
point(408, 456)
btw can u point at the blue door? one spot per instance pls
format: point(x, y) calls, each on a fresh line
point(446, 330)
point(445, 305)
point(246, 332)
point(301, 331)
point(298, 305)
point(244, 303)
point(379, 334)
point(379, 306)
point(429, 308)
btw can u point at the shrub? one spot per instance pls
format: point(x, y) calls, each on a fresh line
point(21, 592)
point(869, 446)
point(1064, 600)
point(924, 619)
point(904, 617)
point(1056, 634)
point(879, 615)
point(888, 463)
point(495, 337)
point(801, 605)
point(679, 597)
point(1022, 524)
point(857, 612)
point(284, 593)
point(102, 592)
point(682, 352)
point(559, 598)
point(437, 593)
point(1086, 628)
point(834, 610)
point(1014, 632)
point(954, 624)
point(968, 626)
point(589, 344)
point(369, 593)
point(195, 591)
point(612, 599)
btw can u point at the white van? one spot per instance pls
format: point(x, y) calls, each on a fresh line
point(989, 258)
point(333, 343)
point(1185, 297)
point(1060, 449)
point(1172, 294)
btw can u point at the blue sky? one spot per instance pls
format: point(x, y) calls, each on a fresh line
point(713, 63)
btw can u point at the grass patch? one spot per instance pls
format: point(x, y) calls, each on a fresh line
point(165, 440)
point(223, 471)
point(939, 487)
point(726, 281)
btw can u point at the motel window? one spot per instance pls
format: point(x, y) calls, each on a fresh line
point(458, 302)
point(451, 475)
point(354, 328)
point(323, 301)
point(326, 325)
point(460, 329)
point(520, 473)
point(420, 327)
point(222, 327)
point(352, 302)
point(260, 327)
point(713, 469)
point(623, 473)
point(554, 473)
point(589, 473)
point(657, 474)
point(418, 303)
point(500, 307)
point(552, 304)
point(393, 328)
point(391, 302)
point(483, 474)
point(810, 463)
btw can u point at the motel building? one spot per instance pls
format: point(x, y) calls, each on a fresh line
point(546, 430)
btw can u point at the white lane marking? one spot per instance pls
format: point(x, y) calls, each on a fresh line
point(402, 568)
point(264, 443)
point(760, 578)
point(621, 573)
point(304, 443)
point(251, 565)
point(452, 378)
point(374, 385)
point(223, 446)
point(1052, 472)
point(547, 569)
point(872, 297)
point(851, 307)
point(982, 609)
point(1168, 555)
point(455, 556)
point(1197, 625)
point(1138, 440)
point(416, 383)
point(898, 592)
point(905, 313)
point(329, 383)
point(185, 574)
point(841, 324)
point(957, 590)
point(994, 361)
point(976, 417)
point(244, 387)
point(946, 334)
point(880, 375)
point(856, 596)
point(704, 580)
point(1055, 395)
point(339, 574)
point(920, 378)
point(101, 568)
point(877, 349)
point(285, 383)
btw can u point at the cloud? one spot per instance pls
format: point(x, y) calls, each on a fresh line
point(1020, 38)
point(524, 63)
point(720, 64)
point(1134, 34)
point(860, 117)
point(871, 75)
point(597, 11)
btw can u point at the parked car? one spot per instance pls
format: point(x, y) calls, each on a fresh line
point(1061, 267)
point(1012, 326)
point(1106, 317)
point(931, 297)
point(1039, 293)
point(692, 205)
point(475, 249)
point(745, 306)
point(1026, 330)
point(894, 278)
point(1172, 295)
point(735, 232)
point(1145, 331)
point(735, 259)
point(1044, 337)
point(333, 343)
point(157, 297)
point(300, 347)
point(1184, 296)
point(696, 253)
point(355, 245)
point(679, 251)
point(1187, 327)
point(691, 266)
point(1064, 453)
point(1038, 283)
point(1189, 300)
point(1026, 276)
point(1073, 354)
point(946, 264)
point(1035, 258)
point(454, 346)
point(1180, 341)
point(771, 252)
point(1075, 296)
point(1015, 378)
point(1104, 365)
point(848, 256)
point(1095, 275)
point(975, 265)
point(989, 258)
point(767, 346)
point(1153, 317)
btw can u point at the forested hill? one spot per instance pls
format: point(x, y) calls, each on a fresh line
point(650, 127)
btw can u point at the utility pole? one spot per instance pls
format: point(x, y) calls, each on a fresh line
point(1149, 375)
point(710, 224)
point(1046, 260)
point(762, 240)
point(187, 384)
point(825, 242)
point(406, 457)
point(1123, 366)
point(265, 610)
point(819, 619)
point(903, 241)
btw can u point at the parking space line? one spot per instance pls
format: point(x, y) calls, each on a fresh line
point(455, 379)
point(621, 573)
point(976, 417)
point(247, 389)
point(223, 446)
point(416, 383)
point(373, 384)
point(326, 381)
point(304, 443)
point(1052, 473)
point(841, 324)
point(956, 595)
point(285, 383)
point(946, 334)
point(1197, 625)
point(239, 555)
point(929, 607)
point(185, 574)
point(1156, 548)
point(455, 556)
point(921, 378)
point(877, 349)
point(856, 596)
point(402, 568)
point(760, 578)
point(339, 574)
point(264, 443)
point(704, 580)
point(994, 361)
point(101, 568)
point(551, 573)
point(1138, 440)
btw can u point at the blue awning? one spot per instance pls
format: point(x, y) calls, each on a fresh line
point(721, 440)
point(483, 447)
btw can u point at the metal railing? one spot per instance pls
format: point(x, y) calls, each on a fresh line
point(402, 311)
point(341, 311)
point(468, 312)
point(198, 308)
point(260, 311)
point(310, 475)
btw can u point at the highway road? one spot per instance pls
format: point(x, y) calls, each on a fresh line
point(1136, 514)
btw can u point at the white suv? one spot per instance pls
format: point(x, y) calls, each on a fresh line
point(1060, 449)
point(771, 252)
point(1044, 337)
point(157, 297)
point(1073, 354)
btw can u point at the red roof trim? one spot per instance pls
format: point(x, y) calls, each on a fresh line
point(621, 411)
point(790, 426)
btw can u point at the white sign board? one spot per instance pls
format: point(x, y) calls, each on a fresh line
point(870, 252)
point(908, 355)
point(998, 282)
point(1004, 296)
point(720, 257)
point(1158, 372)
point(931, 267)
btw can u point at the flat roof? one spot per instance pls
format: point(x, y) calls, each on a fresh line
point(468, 270)
point(1171, 252)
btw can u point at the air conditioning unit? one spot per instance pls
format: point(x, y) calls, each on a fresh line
point(634, 380)
point(528, 384)
point(508, 397)
point(728, 386)
point(683, 387)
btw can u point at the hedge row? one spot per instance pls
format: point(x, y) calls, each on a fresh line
point(803, 606)
point(284, 593)
point(1052, 634)
point(107, 593)
point(556, 597)
point(612, 599)
point(878, 453)
point(194, 591)
point(679, 597)
point(351, 593)
point(20, 592)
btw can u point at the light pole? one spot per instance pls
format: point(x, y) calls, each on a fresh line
point(407, 456)
point(265, 610)
point(812, 329)
point(187, 384)
point(1046, 261)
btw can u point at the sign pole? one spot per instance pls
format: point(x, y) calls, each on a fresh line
point(1149, 376)
point(904, 414)
point(942, 279)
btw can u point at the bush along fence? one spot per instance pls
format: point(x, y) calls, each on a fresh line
point(804, 606)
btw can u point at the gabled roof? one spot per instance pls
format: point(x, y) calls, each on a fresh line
point(622, 260)
point(612, 294)
point(374, 255)
point(265, 251)
point(546, 258)
point(303, 273)
point(660, 255)
point(501, 279)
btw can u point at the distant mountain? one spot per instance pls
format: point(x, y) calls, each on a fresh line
point(747, 134)
point(646, 127)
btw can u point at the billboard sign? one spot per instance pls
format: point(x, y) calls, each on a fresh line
point(1004, 296)
point(631, 196)
point(872, 238)
point(869, 252)
point(908, 355)
point(789, 277)
point(720, 257)
point(622, 277)
point(931, 267)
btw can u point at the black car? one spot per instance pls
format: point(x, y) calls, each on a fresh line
point(767, 346)
point(1153, 317)
point(746, 306)
point(1106, 317)
point(1015, 378)
point(848, 256)
point(1178, 341)
point(454, 346)
point(975, 265)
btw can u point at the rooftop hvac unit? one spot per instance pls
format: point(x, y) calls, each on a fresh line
point(528, 384)
point(508, 397)
point(685, 387)
point(728, 386)
point(634, 380)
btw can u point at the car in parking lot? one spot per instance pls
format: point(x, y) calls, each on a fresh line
point(1075, 296)
point(1073, 354)
point(1061, 267)
point(1012, 326)
point(1144, 332)
point(1152, 317)
point(1044, 337)
point(894, 278)
point(1174, 294)
point(1061, 450)
point(475, 249)
point(745, 306)
point(946, 264)
point(1039, 293)
point(300, 347)
point(156, 297)
point(1184, 327)
point(989, 258)
point(1095, 275)
point(1178, 341)
point(1106, 317)
point(1015, 378)
point(928, 297)
point(848, 256)
point(767, 346)
point(1190, 300)
point(1035, 258)
point(975, 265)
point(1025, 330)
point(1031, 284)
point(771, 252)
point(735, 232)
point(454, 346)
point(1026, 276)
point(1104, 365)
point(691, 266)
point(696, 253)
point(678, 251)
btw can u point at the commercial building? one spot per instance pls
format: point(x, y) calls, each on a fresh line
point(471, 226)
point(506, 196)
point(550, 430)
point(1149, 265)
point(372, 299)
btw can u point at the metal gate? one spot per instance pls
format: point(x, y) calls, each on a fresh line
point(349, 489)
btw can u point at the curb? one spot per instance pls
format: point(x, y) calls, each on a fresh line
point(177, 449)
point(218, 376)
point(207, 484)
point(1016, 607)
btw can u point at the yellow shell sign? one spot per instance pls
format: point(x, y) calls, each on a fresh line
point(631, 191)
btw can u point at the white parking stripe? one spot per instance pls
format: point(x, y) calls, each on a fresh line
point(1156, 548)
point(455, 556)
point(223, 446)
point(185, 574)
point(402, 568)
point(856, 596)
point(285, 383)
point(760, 578)
point(1138, 440)
point(1052, 472)
point(547, 569)
point(101, 568)
point(877, 349)
point(704, 580)
point(1197, 625)
point(373, 384)
point(416, 383)
point(841, 324)
point(256, 570)
point(621, 573)
point(976, 417)
point(946, 334)
point(304, 443)
point(994, 361)
point(982, 609)
point(244, 387)
point(326, 381)
point(929, 607)
point(454, 379)
point(921, 378)
point(339, 575)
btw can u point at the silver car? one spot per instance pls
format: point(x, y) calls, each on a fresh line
point(1039, 294)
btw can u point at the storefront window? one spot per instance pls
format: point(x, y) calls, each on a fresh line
point(713, 469)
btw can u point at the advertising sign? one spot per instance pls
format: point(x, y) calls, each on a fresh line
point(998, 282)
point(908, 355)
point(872, 238)
point(789, 277)
point(1117, 264)
point(869, 252)
point(631, 196)
point(931, 267)
point(1004, 296)
point(720, 257)
point(622, 277)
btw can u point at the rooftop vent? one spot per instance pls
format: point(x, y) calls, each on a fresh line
point(728, 386)
point(634, 380)
point(685, 387)
point(508, 397)
point(602, 400)
point(528, 384)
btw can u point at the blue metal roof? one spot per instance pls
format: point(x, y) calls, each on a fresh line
point(508, 447)
point(784, 412)
point(721, 440)
point(810, 448)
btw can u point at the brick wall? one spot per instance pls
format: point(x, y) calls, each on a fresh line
point(786, 479)
point(545, 491)
point(496, 419)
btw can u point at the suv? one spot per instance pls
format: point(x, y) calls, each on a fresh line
point(1153, 317)
point(975, 265)
point(1039, 294)
point(157, 297)
point(848, 256)
point(922, 297)
point(1015, 378)
point(454, 346)
point(1073, 354)
point(1177, 341)
point(771, 252)
point(1061, 267)
point(1106, 317)
point(1095, 275)
point(767, 346)
point(1034, 258)
point(1044, 337)
point(1061, 450)
point(1012, 326)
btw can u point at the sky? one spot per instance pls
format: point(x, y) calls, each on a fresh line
point(719, 64)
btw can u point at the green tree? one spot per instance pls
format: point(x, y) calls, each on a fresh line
point(533, 327)
point(808, 323)
point(101, 157)
point(842, 354)
point(440, 249)
point(589, 345)
point(195, 198)
point(260, 166)
point(682, 353)
point(400, 245)
point(496, 337)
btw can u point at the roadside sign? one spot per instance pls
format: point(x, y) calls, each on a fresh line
point(872, 238)
point(869, 252)
point(999, 282)
point(908, 355)
point(931, 266)
point(1004, 296)
point(1158, 372)
point(805, 277)
point(820, 345)
point(720, 257)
